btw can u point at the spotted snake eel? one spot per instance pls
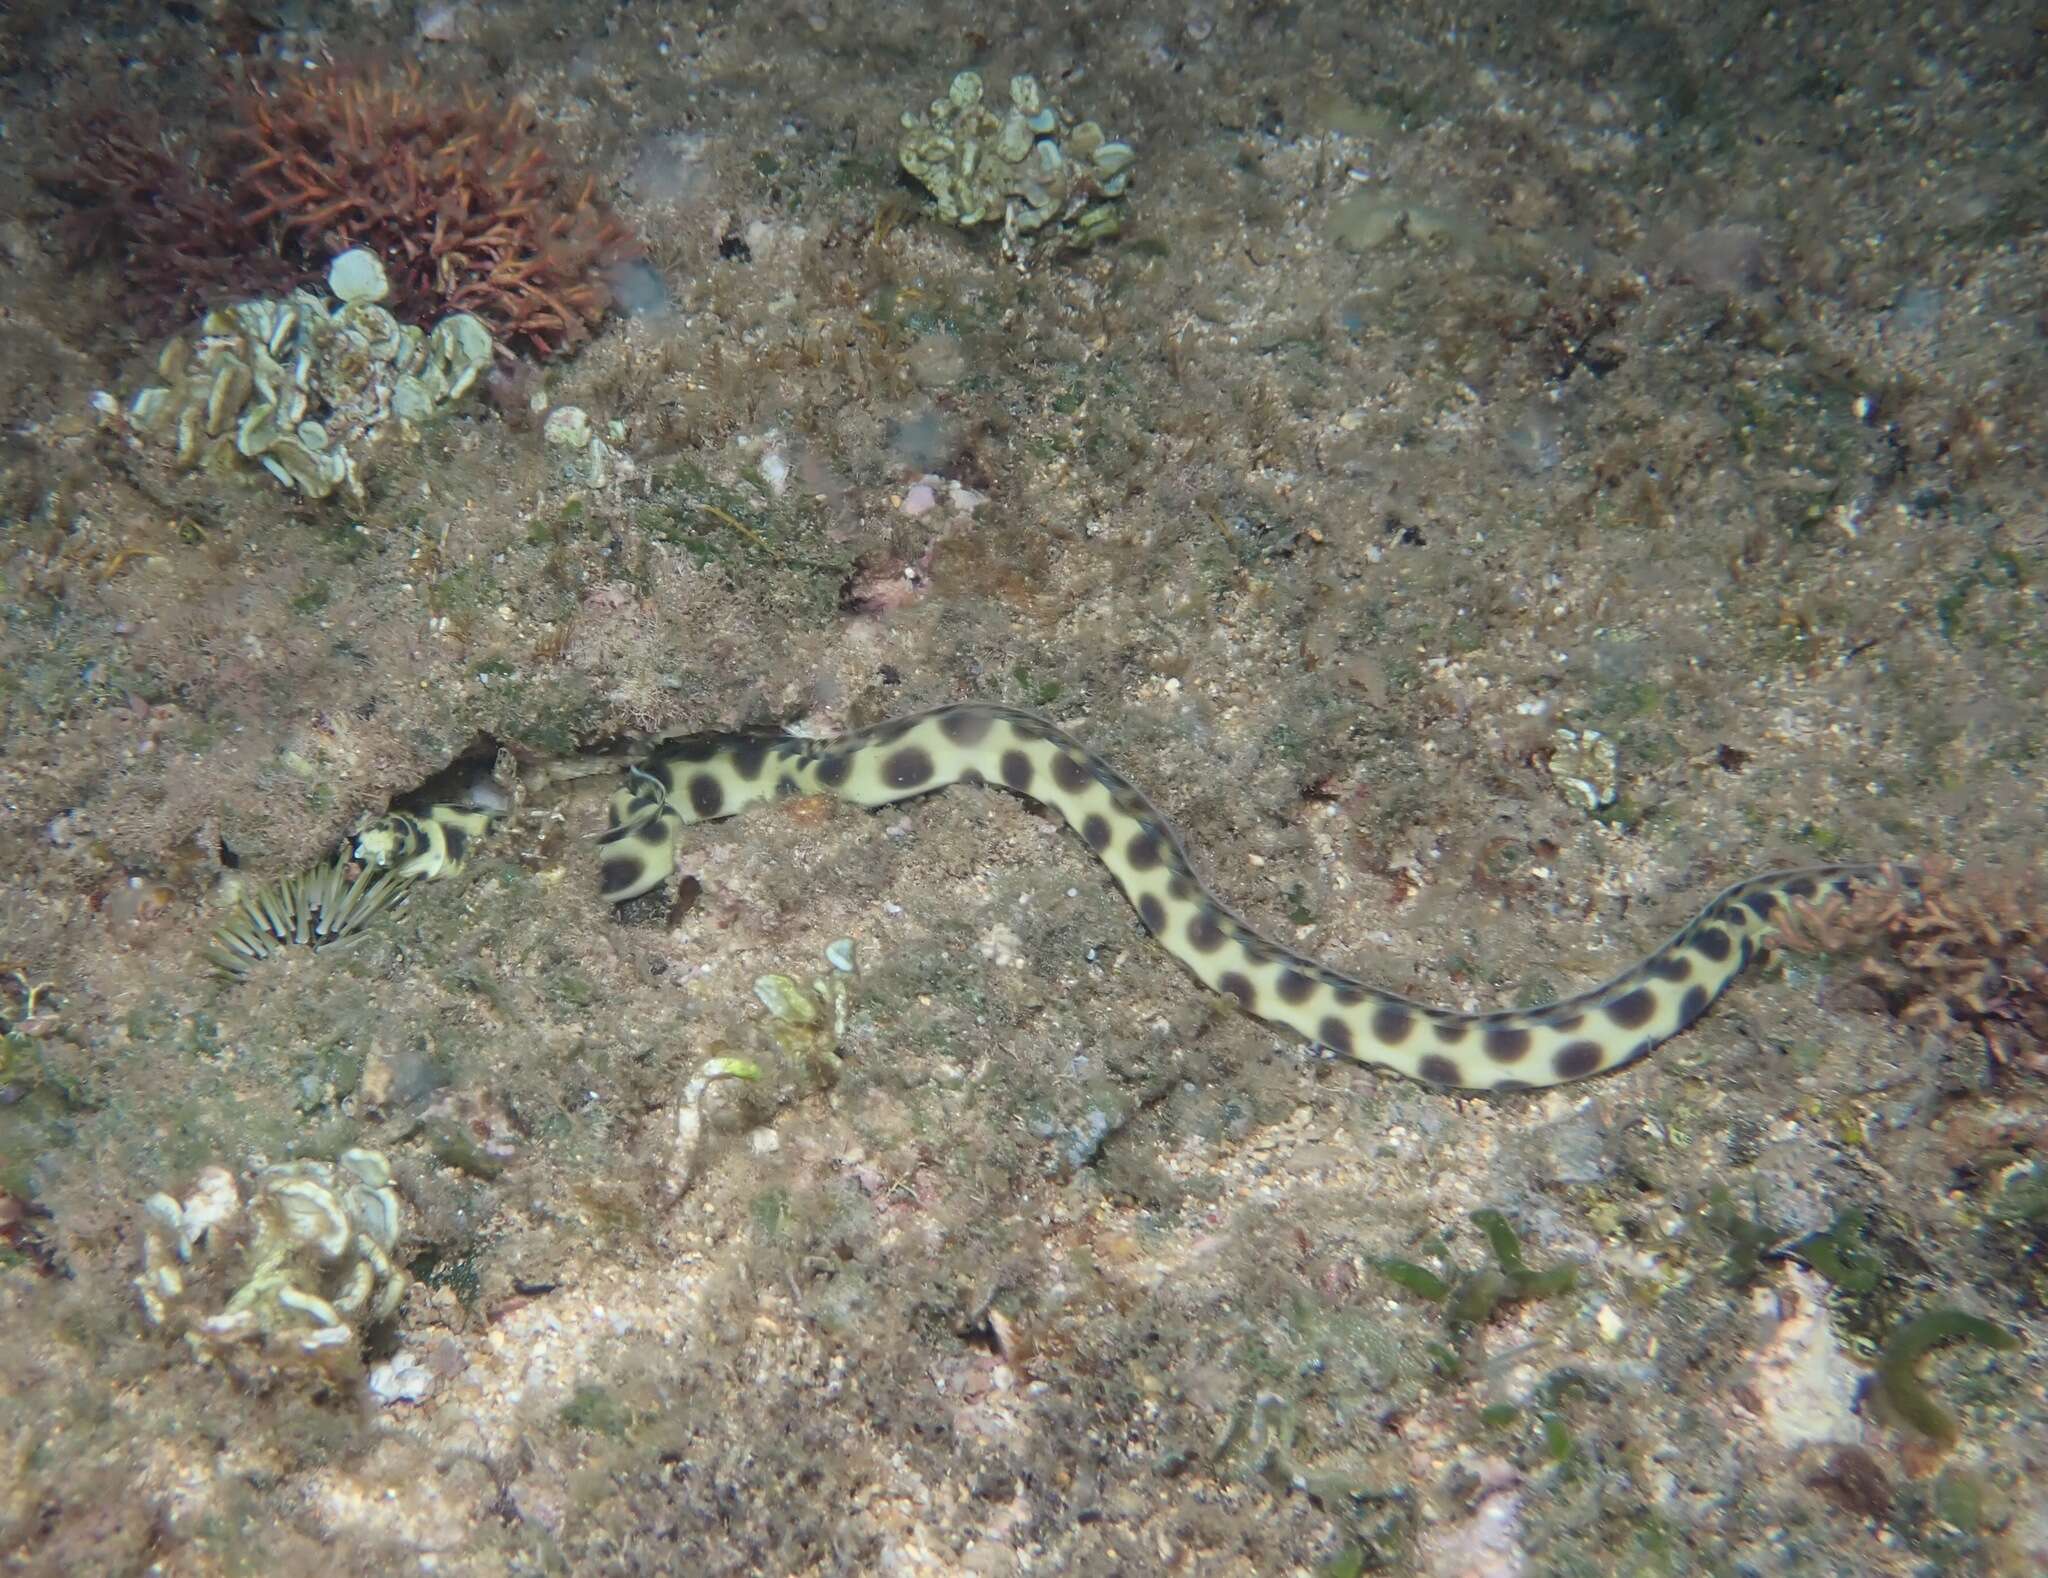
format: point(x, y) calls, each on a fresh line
point(704, 777)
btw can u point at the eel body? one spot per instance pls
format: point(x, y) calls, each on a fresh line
point(705, 777)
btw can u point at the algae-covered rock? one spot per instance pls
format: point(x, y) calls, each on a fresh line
point(304, 386)
point(1049, 183)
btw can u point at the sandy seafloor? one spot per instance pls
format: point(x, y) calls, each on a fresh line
point(1458, 376)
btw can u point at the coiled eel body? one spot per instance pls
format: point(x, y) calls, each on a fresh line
point(705, 777)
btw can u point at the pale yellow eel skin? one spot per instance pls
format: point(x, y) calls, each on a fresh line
point(1594, 1032)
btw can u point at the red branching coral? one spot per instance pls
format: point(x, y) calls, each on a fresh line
point(461, 200)
point(143, 200)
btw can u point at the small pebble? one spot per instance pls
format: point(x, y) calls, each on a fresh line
point(401, 1379)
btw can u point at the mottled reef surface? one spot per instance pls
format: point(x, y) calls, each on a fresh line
point(1458, 377)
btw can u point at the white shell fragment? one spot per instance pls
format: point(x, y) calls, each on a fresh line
point(806, 1025)
point(401, 1379)
point(687, 1142)
point(303, 387)
point(1586, 768)
point(358, 276)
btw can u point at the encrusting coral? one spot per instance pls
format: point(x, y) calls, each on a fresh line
point(303, 387)
point(1050, 184)
point(1961, 954)
point(295, 1272)
point(461, 199)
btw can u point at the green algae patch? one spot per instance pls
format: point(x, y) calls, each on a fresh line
point(1524, 1281)
point(452, 1145)
point(594, 1409)
point(1749, 1239)
point(1470, 1298)
point(1840, 1255)
point(1898, 1366)
point(1419, 1280)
